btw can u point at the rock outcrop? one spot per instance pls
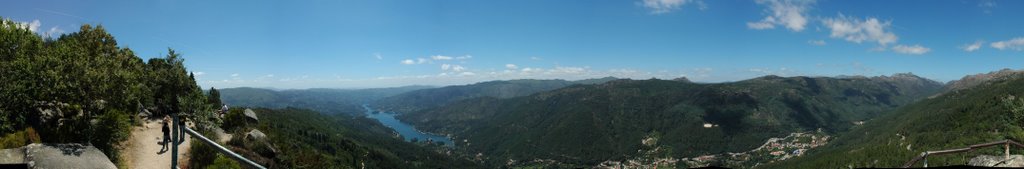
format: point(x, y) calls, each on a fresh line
point(251, 115)
point(55, 156)
point(997, 161)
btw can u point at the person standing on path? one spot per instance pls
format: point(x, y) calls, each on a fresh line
point(167, 134)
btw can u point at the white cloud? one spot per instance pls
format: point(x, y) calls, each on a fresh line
point(666, 6)
point(198, 73)
point(817, 42)
point(857, 30)
point(458, 68)
point(440, 57)
point(54, 32)
point(511, 66)
point(270, 75)
point(445, 66)
point(377, 55)
point(536, 58)
point(789, 13)
point(973, 46)
point(413, 62)
point(32, 26)
point(408, 62)
point(1012, 44)
point(987, 6)
point(764, 24)
point(464, 57)
point(234, 75)
point(467, 74)
point(913, 50)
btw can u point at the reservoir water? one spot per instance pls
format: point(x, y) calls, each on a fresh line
point(407, 131)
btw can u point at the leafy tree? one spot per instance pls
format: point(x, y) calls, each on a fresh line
point(213, 97)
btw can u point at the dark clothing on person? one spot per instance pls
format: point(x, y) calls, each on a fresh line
point(167, 132)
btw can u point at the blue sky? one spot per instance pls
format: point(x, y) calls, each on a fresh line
point(384, 43)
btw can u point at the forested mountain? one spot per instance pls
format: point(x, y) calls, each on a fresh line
point(331, 101)
point(987, 112)
point(429, 98)
point(304, 138)
point(584, 125)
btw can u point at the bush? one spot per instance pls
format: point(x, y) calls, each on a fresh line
point(234, 120)
point(113, 128)
point(203, 154)
point(19, 138)
point(13, 140)
point(223, 162)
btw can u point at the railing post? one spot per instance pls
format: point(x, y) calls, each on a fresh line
point(925, 159)
point(174, 141)
point(1007, 148)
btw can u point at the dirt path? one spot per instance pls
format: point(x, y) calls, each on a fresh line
point(143, 148)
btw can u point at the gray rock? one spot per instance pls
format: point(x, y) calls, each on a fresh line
point(256, 135)
point(251, 114)
point(997, 161)
point(12, 156)
point(56, 156)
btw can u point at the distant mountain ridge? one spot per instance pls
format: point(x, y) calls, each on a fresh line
point(587, 124)
point(330, 101)
point(429, 98)
point(981, 78)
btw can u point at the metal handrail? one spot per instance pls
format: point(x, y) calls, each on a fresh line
point(924, 155)
point(222, 150)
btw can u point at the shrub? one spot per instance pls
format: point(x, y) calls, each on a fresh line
point(13, 140)
point(201, 153)
point(113, 128)
point(223, 162)
point(234, 120)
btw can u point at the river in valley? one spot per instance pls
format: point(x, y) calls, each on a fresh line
point(407, 131)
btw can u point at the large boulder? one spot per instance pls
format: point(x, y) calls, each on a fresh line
point(251, 115)
point(259, 143)
point(256, 135)
point(997, 161)
point(55, 156)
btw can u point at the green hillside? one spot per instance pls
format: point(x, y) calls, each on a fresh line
point(953, 120)
point(587, 124)
point(306, 138)
point(429, 98)
point(331, 101)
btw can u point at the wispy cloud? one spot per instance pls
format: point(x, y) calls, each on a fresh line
point(62, 13)
point(413, 62)
point(857, 30)
point(816, 42)
point(1012, 44)
point(441, 57)
point(408, 62)
point(789, 13)
point(198, 73)
point(666, 6)
point(987, 6)
point(511, 66)
point(452, 67)
point(973, 46)
point(54, 32)
point(378, 56)
point(913, 50)
point(234, 75)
